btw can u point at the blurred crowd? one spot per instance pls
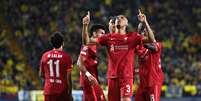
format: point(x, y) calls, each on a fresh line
point(25, 26)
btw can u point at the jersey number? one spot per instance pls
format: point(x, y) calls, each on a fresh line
point(152, 97)
point(51, 64)
point(128, 88)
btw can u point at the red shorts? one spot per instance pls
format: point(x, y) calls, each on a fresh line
point(57, 97)
point(119, 88)
point(93, 93)
point(148, 93)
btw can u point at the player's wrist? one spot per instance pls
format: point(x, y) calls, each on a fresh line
point(146, 23)
point(87, 74)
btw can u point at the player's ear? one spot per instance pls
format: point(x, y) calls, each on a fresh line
point(126, 22)
point(63, 44)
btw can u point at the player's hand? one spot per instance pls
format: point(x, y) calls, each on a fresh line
point(92, 80)
point(141, 17)
point(86, 19)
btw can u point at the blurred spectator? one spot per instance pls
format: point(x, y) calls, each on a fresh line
point(174, 90)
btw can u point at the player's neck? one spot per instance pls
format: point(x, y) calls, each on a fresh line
point(121, 31)
point(58, 49)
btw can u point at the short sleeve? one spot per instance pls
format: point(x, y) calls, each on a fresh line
point(84, 50)
point(157, 45)
point(103, 40)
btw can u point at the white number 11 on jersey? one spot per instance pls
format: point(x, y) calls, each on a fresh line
point(50, 62)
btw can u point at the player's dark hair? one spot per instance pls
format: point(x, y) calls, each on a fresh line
point(95, 27)
point(57, 39)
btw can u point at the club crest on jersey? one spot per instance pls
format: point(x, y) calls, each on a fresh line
point(112, 48)
point(112, 39)
point(126, 38)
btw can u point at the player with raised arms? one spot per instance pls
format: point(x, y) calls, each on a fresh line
point(120, 48)
point(150, 72)
point(88, 63)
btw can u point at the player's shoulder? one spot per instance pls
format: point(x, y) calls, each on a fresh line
point(104, 38)
point(65, 53)
point(115, 35)
point(46, 53)
point(108, 35)
point(133, 34)
point(158, 43)
point(66, 56)
point(89, 47)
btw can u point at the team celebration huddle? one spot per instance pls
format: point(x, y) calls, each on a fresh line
point(121, 47)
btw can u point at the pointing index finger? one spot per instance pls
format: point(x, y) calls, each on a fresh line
point(139, 11)
point(88, 14)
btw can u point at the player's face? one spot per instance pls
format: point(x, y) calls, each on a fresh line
point(121, 20)
point(99, 33)
point(112, 26)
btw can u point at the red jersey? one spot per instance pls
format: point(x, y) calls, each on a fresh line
point(88, 53)
point(54, 66)
point(120, 53)
point(150, 71)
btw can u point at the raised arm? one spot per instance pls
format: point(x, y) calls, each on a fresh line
point(142, 18)
point(85, 33)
